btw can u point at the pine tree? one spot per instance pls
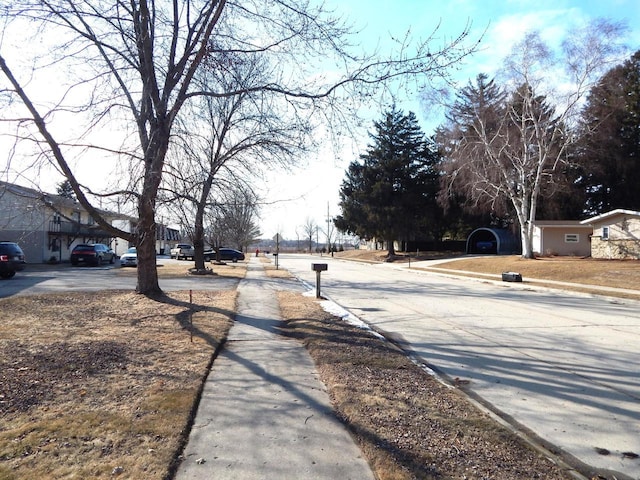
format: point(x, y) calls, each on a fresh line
point(66, 190)
point(610, 142)
point(390, 192)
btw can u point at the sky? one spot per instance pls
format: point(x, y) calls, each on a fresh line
point(312, 191)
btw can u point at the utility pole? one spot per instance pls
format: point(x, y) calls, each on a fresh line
point(328, 232)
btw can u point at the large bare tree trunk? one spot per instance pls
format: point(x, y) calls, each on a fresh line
point(527, 241)
point(198, 237)
point(146, 230)
point(146, 249)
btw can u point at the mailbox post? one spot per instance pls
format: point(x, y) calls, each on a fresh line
point(318, 268)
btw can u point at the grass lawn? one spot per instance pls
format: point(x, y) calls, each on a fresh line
point(94, 385)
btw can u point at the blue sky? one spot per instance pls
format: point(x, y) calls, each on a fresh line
point(500, 23)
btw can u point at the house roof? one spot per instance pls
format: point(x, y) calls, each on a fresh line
point(57, 201)
point(560, 224)
point(612, 213)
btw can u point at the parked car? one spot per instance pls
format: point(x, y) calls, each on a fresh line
point(92, 254)
point(11, 259)
point(225, 254)
point(182, 250)
point(485, 246)
point(129, 258)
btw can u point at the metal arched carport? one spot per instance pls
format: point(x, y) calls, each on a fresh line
point(498, 241)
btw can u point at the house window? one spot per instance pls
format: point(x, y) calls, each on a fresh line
point(605, 233)
point(571, 238)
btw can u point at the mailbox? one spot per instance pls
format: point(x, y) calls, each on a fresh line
point(318, 267)
point(511, 277)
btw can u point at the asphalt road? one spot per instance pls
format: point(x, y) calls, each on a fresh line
point(563, 365)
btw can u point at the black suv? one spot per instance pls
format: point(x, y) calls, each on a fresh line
point(11, 259)
point(92, 254)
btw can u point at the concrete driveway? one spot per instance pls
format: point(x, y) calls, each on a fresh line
point(564, 366)
point(38, 279)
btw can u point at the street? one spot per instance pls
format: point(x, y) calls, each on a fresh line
point(561, 364)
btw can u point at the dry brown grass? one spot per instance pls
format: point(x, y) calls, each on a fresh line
point(184, 268)
point(92, 385)
point(624, 274)
point(271, 271)
point(588, 271)
point(408, 425)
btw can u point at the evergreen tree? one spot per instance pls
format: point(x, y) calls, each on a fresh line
point(476, 115)
point(610, 141)
point(390, 193)
point(66, 190)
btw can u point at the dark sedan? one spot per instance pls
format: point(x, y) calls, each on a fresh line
point(92, 254)
point(11, 259)
point(225, 254)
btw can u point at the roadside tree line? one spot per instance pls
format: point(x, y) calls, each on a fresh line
point(521, 147)
point(149, 103)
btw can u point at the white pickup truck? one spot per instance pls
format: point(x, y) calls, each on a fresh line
point(182, 250)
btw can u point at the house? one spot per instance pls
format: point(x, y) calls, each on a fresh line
point(47, 226)
point(165, 237)
point(616, 234)
point(561, 237)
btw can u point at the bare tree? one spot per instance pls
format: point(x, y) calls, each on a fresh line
point(310, 228)
point(505, 149)
point(233, 137)
point(238, 214)
point(125, 70)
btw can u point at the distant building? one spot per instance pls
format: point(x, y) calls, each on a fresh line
point(47, 226)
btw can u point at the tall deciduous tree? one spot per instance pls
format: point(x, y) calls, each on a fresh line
point(387, 194)
point(227, 138)
point(124, 70)
point(610, 140)
point(232, 218)
point(510, 152)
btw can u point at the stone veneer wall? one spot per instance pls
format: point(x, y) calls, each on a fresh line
point(615, 249)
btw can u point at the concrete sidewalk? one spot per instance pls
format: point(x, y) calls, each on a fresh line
point(264, 414)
